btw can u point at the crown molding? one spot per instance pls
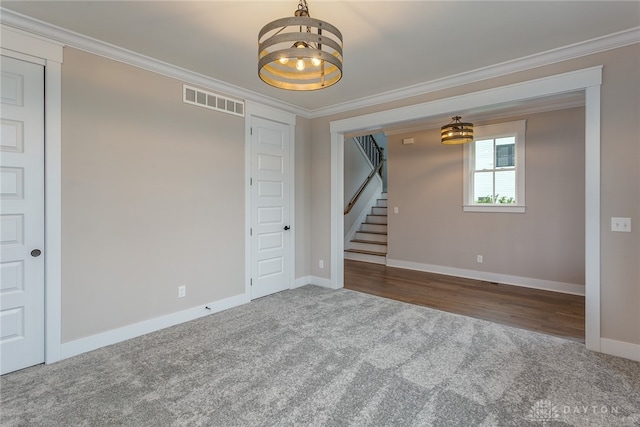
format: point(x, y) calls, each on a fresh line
point(107, 50)
point(577, 50)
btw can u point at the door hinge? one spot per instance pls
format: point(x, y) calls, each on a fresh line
point(251, 130)
point(250, 282)
point(251, 232)
point(250, 181)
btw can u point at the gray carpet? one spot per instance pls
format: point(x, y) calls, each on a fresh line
point(314, 357)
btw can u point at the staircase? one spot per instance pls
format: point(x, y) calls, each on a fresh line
point(369, 244)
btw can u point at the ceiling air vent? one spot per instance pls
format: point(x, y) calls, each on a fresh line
point(213, 101)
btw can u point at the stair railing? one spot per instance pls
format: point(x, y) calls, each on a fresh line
point(375, 154)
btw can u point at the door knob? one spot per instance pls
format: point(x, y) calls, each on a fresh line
point(286, 227)
point(36, 253)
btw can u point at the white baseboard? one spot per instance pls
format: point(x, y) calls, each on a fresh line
point(301, 281)
point(620, 349)
point(93, 342)
point(527, 282)
point(312, 280)
point(319, 281)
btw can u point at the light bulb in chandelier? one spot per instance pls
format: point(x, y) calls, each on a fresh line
point(283, 60)
point(300, 66)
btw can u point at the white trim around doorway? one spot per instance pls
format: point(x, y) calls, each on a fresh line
point(254, 109)
point(588, 80)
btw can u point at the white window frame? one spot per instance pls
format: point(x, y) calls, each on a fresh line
point(499, 130)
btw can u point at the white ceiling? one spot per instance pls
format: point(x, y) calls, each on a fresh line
point(388, 45)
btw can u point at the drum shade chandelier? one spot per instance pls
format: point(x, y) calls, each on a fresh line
point(456, 132)
point(300, 52)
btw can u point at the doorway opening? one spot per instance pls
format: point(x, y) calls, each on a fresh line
point(587, 81)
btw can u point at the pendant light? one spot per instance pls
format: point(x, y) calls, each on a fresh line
point(456, 132)
point(299, 52)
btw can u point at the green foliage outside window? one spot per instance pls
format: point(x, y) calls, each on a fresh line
point(504, 200)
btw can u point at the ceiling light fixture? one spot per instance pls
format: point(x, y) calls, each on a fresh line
point(456, 132)
point(299, 52)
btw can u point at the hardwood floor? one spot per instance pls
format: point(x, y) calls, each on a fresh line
point(542, 311)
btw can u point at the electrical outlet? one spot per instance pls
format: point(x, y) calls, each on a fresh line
point(479, 259)
point(182, 291)
point(621, 224)
point(321, 263)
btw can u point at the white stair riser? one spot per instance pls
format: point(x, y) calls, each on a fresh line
point(370, 236)
point(383, 196)
point(376, 228)
point(373, 247)
point(381, 203)
point(376, 219)
point(366, 258)
point(377, 210)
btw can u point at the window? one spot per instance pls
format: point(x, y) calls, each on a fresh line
point(494, 169)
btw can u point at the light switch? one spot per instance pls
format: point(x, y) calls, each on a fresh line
point(395, 209)
point(621, 224)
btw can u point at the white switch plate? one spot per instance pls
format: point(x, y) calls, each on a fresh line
point(321, 263)
point(182, 291)
point(479, 259)
point(621, 224)
point(395, 209)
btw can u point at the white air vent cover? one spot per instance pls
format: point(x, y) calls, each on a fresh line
point(213, 101)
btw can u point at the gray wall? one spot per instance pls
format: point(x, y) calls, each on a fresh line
point(546, 242)
point(152, 197)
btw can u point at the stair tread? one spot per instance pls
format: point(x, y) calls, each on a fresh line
point(372, 214)
point(383, 233)
point(374, 242)
point(362, 251)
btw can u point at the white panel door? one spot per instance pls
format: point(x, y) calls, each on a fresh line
point(21, 215)
point(270, 228)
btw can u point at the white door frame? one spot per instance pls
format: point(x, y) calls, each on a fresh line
point(588, 80)
point(253, 109)
point(28, 47)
